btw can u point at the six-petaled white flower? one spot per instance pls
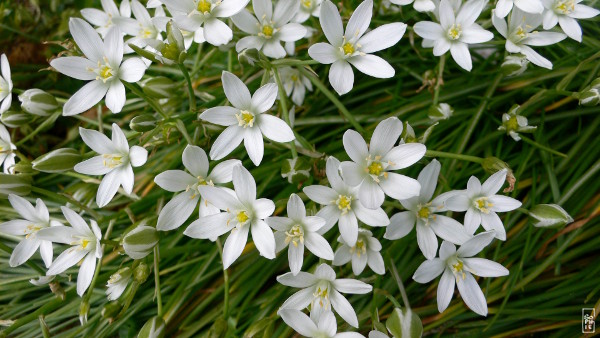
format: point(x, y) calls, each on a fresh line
point(6, 85)
point(246, 120)
point(503, 7)
point(110, 16)
point(34, 219)
point(7, 148)
point(117, 283)
point(353, 46)
point(115, 161)
point(520, 34)
point(481, 204)
point(455, 31)
point(103, 64)
point(365, 251)
point(179, 209)
point(565, 13)
point(85, 247)
point(423, 211)
point(458, 267)
point(371, 166)
point(295, 84)
point(268, 27)
point(307, 9)
point(242, 212)
point(322, 291)
point(203, 16)
point(325, 326)
point(342, 205)
point(297, 231)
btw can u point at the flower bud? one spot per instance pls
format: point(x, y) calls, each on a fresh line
point(23, 167)
point(154, 328)
point(139, 242)
point(174, 48)
point(549, 215)
point(57, 161)
point(15, 184)
point(514, 65)
point(117, 283)
point(159, 87)
point(442, 111)
point(295, 170)
point(589, 97)
point(143, 123)
point(493, 164)
point(408, 134)
point(141, 272)
point(595, 83)
point(404, 323)
point(84, 309)
point(15, 119)
point(38, 102)
point(57, 289)
point(110, 311)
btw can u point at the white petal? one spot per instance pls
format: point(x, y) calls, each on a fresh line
point(228, 8)
point(485, 268)
point(273, 49)
point(253, 142)
point(211, 226)
point(427, 241)
point(223, 115)
point(119, 139)
point(429, 30)
point(343, 308)
point(341, 77)
point(220, 198)
point(229, 139)
point(371, 194)
point(75, 67)
point(316, 244)
point(222, 172)
point(472, 221)
point(445, 290)
point(375, 261)
point(503, 203)
point(177, 211)
point(476, 244)
point(320, 194)
point(458, 202)
point(291, 32)
point(57, 234)
point(97, 141)
point(360, 20)
point(331, 23)
point(476, 34)
point(234, 245)
point(132, 70)
point(195, 160)
point(535, 57)
point(263, 208)
point(399, 186)
point(115, 97)
point(372, 65)
point(46, 252)
point(85, 98)
point(530, 6)
point(264, 98)
point(298, 321)
point(86, 273)
point(295, 208)
point(216, 32)
point(449, 229)
point(108, 188)
point(323, 53)
point(372, 217)
point(23, 251)
point(113, 46)
point(138, 156)
point(385, 136)
point(246, 21)
point(333, 174)
point(570, 27)
point(469, 12)
point(353, 173)
point(263, 239)
point(404, 155)
point(447, 249)
point(301, 280)
point(446, 14)
point(503, 7)
point(342, 255)
point(348, 227)
point(65, 260)
point(584, 12)
point(300, 299)
point(275, 129)
point(236, 91)
point(493, 184)
point(355, 146)
point(174, 180)
point(400, 225)
point(347, 285)
point(492, 222)
point(93, 166)
point(471, 294)
point(428, 178)
point(263, 9)
point(460, 54)
point(17, 227)
point(428, 270)
point(23, 207)
point(87, 39)
point(382, 37)
point(295, 257)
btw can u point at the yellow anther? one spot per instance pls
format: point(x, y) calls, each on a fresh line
point(348, 48)
point(360, 248)
point(423, 212)
point(483, 205)
point(245, 118)
point(267, 31)
point(454, 32)
point(203, 6)
point(375, 168)
point(344, 203)
point(84, 243)
point(295, 235)
point(307, 3)
point(242, 217)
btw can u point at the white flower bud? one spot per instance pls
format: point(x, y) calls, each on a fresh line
point(514, 65)
point(404, 323)
point(549, 215)
point(117, 283)
point(590, 97)
point(442, 111)
point(56, 161)
point(38, 102)
point(139, 242)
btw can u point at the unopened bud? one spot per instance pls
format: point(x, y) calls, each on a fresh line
point(110, 311)
point(57, 289)
point(57, 161)
point(141, 273)
point(15, 119)
point(595, 83)
point(154, 328)
point(139, 242)
point(442, 111)
point(174, 48)
point(84, 309)
point(590, 97)
point(493, 164)
point(295, 170)
point(408, 134)
point(117, 283)
point(404, 323)
point(15, 184)
point(38, 102)
point(549, 215)
point(143, 123)
point(159, 87)
point(514, 65)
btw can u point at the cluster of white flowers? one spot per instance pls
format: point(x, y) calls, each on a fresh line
point(358, 187)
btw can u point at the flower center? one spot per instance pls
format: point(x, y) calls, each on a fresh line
point(344, 203)
point(482, 204)
point(242, 217)
point(307, 3)
point(458, 268)
point(31, 229)
point(295, 235)
point(454, 32)
point(423, 212)
point(267, 31)
point(348, 48)
point(375, 168)
point(104, 71)
point(245, 118)
point(512, 123)
point(112, 161)
point(204, 6)
point(147, 33)
point(565, 7)
point(360, 248)
point(322, 295)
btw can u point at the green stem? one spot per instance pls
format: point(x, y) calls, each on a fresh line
point(189, 86)
point(438, 83)
point(137, 91)
point(285, 112)
point(157, 282)
point(48, 121)
point(315, 80)
point(90, 290)
point(400, 284)
point(542, 147)
point(293, 62)
point(226, 282)
point(435, 153)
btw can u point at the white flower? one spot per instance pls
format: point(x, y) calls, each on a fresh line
point(246, 120)
point(520, 34)
point(503, 7)
point(481, 204)
point(324, 326)
point(34, 219)
point(419, 5)
point(299, 230)
point(146, 28)
point(7, 155)
point(514, 123)
point(115, 161)
point(117, 283)
point(242, 212)
point(179, 209)
point(371, 166)
point(365, 251)
point(295, 84)
point(565, 13)
point(455, 32)
point(111, 16)
point(85, 247)
point(268, 27)
point(307, 9)
point(354, 46)
point(422, 210)
point(341, 203)
point(321, 291)
point(203, 16)
point(6, 85)
point(458, 268)
point(102, 65)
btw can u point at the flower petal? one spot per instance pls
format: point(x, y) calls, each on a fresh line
point(341, 77)
point(236, 91)
point(399, 186)
point(229, 139)
point(445, 290)
point(210, 227)
point(86, 273)
point(343, 307)
point(360, 20)
point(476, 244)
point(275, 129)
point(331, 23)
point(471, 294)
point(253, 142)
point(355, 146)
point(177, 211)
point(75, 67)
point(400, 225)
point(382, 37)
point(85, 98)
point(234, 245)
point(428, 270)
point(132, 70)
point(485, 268)
point(404, 155)
point(372, 65)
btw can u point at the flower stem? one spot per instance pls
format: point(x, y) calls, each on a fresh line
point(47, 122)
point(157, 282)
point(285, 112)
point(137, 91)
point(293, 62)
point(438, 82)
point(435, 153)
point(226, 284)
point(189, 86)
point(400, 284)
point(542, 147)
point(315, 80)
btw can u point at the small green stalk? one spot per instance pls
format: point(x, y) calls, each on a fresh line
point(191, 94)
point(443, 154)
point(157, 282)
point(226, 283)
point(400, 284)
point(438, 82)
point(541, 147)
point(285, 112)
point(137, 91)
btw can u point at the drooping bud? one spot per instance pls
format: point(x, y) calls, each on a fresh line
point(38, 102)
point(84, 309)
point(57, 161)
point(110, 311)
point(295, 170)
point(118, 282)
point(174, 48)
point(549, 215)
point(442, 111)
point(154, 328)
point(493, 164)
point(15, 184)
point(143, 123)
point(404, 323)
point(514, 65)
point(15, 119)
point(141, 272)
point(139, 242)
point(589, 97)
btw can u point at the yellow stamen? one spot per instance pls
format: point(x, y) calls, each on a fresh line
point(267, 31)
point(348, 48)
point(454, 32)
point(423, 212)
point(344, 203)
point(242, 217)
point(375, 168)
point(203, 6)
point(245, 118)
